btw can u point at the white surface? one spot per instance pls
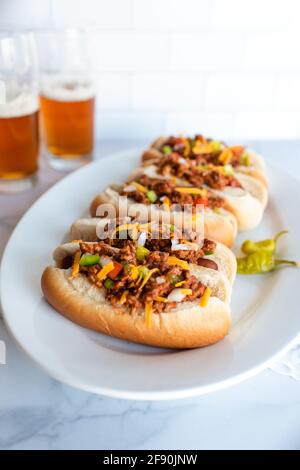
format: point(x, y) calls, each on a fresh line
point(38, 412)
point(86, 360)
point(243, 54)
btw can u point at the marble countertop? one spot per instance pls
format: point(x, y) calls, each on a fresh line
point(37, 412)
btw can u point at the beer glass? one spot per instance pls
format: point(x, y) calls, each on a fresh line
point(19, 136)
point(67, 98)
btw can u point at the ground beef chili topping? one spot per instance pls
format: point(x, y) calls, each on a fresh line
point(159, 236)
point(167, 188)
point(175, 165)
point(216, 180)
point(151, 280)
point(203, 150)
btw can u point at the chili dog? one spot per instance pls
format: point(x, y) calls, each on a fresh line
point(244, 196)
point(162, 199)
point(157, 299)
point(207, 253)
point(204, 151)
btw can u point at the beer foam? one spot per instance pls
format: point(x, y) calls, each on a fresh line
point(66, 89)
point(23, 105)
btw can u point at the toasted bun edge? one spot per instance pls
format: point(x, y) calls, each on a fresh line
point(187, 326)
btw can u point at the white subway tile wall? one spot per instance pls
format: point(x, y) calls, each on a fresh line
point(229, 68)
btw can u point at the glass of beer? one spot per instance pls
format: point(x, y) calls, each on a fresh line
point(67, 98)
point(19, 136)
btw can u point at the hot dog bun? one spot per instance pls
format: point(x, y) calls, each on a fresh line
point(246, 204)
point(220, 226)
point(86, 229)
point(186, 326)
point(256, 167)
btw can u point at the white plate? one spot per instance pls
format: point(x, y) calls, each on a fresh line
point(265, 309)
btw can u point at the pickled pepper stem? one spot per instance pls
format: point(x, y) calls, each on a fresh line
point(279, 234)
point(286, 261)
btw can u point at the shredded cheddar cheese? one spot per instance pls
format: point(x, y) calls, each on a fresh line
point(120, 228)
point(161, 299)
point(209, 167)
point(147, 277)
point(134, 271)
point(148, 314)
point(246, 160)
point(187, 149)
point(105, 270)
point(173, 261)
point(139, 187)
point(201, 138)
point(186, 291)
point(123, 297)
point(166, 201)
point(145, 227)
point(196, 191)
point(76, 265)
point(202, 148)
point(196, 216)
point(134, 228)
point(205, 297)
point(179, 284)
point(225, 156)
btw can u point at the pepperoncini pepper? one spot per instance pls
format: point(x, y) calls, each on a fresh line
point(260, 257)
point(249, 247)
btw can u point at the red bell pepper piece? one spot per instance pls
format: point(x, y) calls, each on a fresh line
point(117, 269)
point(201, 200)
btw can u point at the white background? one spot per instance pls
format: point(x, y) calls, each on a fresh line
point(229, 68)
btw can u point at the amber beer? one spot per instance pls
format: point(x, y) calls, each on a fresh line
point(19, 141)
point(68, 123)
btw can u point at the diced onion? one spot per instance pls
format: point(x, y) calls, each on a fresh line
point(129, 189)
point(142, 239)
point(182, 161)
point(178, 246)
point(160, 279)
point(176, 295)
point(104, 260)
